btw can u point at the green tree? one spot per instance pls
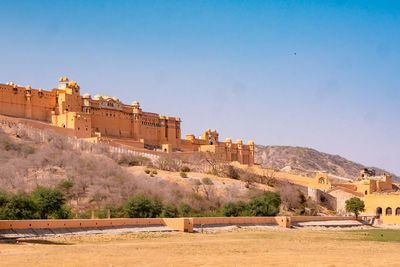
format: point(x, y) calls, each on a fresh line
point(232, 209)
point(170, 211)
point(267, 205)
point(49, 202)
point(185, 209)
point(63, 213)
point(157, 207)
point(66, 186)
point(17, 206)
point(142, 206)
point(355, 205)
point(3, 198)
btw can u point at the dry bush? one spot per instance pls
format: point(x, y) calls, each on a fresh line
point(249, 178)
point(129, 159)
point(290, 198)
point(230, 171)
point(168, 163)
point(268, 177)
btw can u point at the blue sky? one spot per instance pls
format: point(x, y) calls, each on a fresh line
point(229, 65)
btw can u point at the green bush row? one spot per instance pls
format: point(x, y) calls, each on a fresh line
point(48, 203)
point(266, 205)
point(42, 203)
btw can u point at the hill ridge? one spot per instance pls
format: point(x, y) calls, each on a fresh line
point(296, 159)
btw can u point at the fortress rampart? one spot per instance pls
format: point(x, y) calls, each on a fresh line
point(106, 117)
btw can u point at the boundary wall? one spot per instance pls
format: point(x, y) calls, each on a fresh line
point(178, 224)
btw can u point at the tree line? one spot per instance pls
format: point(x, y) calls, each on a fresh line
point(50, 203)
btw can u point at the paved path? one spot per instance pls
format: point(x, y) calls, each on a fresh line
point(19, 233)
point(344, 223)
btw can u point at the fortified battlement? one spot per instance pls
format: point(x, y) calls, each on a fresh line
point(105, 116)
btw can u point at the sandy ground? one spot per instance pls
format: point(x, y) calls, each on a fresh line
point(239, 247)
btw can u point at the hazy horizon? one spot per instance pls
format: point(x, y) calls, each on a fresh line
point(324, 76)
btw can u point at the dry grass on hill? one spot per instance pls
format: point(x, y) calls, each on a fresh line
point(103, 179)
point(98, 180)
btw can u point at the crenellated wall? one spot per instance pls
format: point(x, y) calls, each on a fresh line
point(26, 102)
point(103, 116)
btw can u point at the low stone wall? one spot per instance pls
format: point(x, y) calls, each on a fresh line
point(178, 224)
point(84, 223)
point(234, 220)
point(321, 218)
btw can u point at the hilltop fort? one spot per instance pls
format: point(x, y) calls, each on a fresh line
point(107, 119)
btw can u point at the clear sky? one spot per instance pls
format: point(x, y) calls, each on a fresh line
point(319, 74)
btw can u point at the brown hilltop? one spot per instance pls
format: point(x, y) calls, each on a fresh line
point(306, 160)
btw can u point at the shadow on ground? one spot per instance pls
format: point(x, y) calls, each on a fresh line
point(32, 241)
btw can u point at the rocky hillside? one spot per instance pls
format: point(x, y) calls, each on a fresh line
point(306, 160)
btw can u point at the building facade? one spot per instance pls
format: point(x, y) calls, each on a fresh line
point(380, 195)
point(104, 117)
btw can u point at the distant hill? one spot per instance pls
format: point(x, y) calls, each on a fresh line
point(308, 160)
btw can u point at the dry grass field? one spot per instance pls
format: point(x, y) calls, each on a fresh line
point(241, 247)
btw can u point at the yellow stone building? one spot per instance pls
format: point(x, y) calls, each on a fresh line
point(107, 118)
point(381, 197)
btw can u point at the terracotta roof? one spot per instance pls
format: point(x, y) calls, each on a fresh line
point(358, 194)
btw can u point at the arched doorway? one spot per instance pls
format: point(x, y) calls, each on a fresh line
point(321, 180)
point(378, 211)
point(388, 211)
point(397, 211)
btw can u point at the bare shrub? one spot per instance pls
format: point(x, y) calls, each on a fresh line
point(207, 181)
point(230, 171)
point(185, 169)
point(290, 198)
point(132, 160)
point(214, 162)
point(268, 177)
point(248, 177)
point(167, 163)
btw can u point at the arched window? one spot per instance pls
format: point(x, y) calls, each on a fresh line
point(378, 211)
point(321, 180)
point(397, 211)
point(388, 211)
point(366, 192)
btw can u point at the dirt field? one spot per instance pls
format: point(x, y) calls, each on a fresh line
point(241, 247)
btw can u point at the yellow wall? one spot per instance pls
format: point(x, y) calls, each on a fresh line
point(363, 188)
point(373, 201)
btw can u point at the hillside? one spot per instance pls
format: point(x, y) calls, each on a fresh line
point(98, 177)
point(306, 160)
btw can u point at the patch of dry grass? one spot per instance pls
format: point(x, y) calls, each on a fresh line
point(241, 247)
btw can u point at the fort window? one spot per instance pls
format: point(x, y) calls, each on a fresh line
point(378, 211)
point(397, 211)
point(366, 192)
point(388, 211)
